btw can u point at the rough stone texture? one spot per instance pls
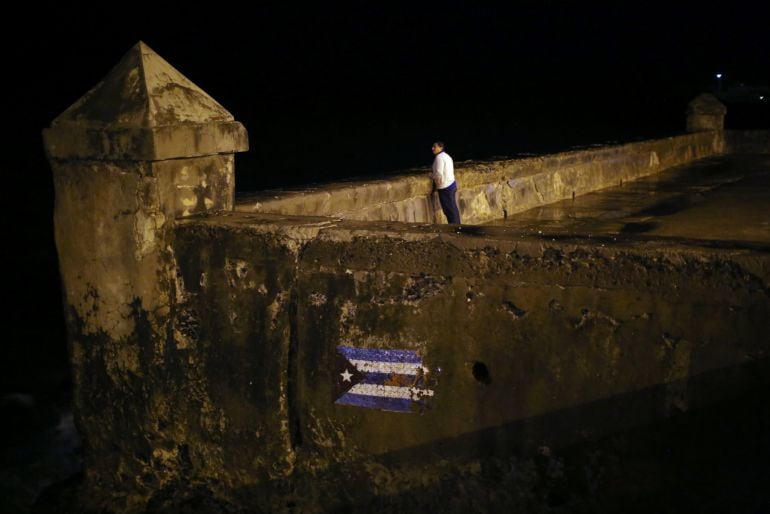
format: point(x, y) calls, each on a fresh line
point(532, 345)
point(489, 190)
point(403, 197)
point(497, 190)
point(142, 148)
point(144, 109)
point(556, 323)
point(705, 113)
point(112, 235)
point(111, 232)
point(236, 310)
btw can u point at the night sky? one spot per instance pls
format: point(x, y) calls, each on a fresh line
point(329, 92)
point(332, 92)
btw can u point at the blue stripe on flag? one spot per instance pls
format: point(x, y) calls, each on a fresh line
point(375, 354)
point(376, 402)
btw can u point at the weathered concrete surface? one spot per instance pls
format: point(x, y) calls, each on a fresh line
point(142, 148)
point(488, 190)
point(527, 183)
point(705, 113)
point(236, 310)
point(112, 234)
point(404, 197)
point(558, 316)
point(111, 224)
point(144, 109)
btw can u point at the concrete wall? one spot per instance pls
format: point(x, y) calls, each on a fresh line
point(489, 190)
point(142, 148)
point(527, 343)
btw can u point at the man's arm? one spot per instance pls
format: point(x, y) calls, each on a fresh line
point(434, 173)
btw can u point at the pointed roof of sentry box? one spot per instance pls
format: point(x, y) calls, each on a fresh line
point(144, 109)
point(144, 90)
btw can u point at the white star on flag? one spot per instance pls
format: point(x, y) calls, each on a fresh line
point(346, 376)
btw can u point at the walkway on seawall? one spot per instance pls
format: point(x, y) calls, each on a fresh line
point(718, 201)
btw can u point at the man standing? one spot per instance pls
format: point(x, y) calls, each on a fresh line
point(444, 182)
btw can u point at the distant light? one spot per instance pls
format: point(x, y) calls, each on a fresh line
point(761, 97)
point(719, 75)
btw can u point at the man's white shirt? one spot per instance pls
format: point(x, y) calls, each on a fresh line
point(443, 170)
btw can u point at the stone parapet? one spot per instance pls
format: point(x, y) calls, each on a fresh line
point(705, 113)
point(522, 340)
point(488, 190)
point(74, 141)
point(144, 147)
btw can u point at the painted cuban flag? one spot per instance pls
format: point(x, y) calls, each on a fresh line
point(392, 380)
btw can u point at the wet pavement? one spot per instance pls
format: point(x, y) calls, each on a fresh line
point(723, 200)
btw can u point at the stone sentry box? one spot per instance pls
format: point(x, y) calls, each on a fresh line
point(142, 148)
point(210, 340)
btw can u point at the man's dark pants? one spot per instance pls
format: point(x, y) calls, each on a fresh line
point(448, 203)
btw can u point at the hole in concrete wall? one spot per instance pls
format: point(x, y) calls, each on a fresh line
point(514, 311)
point(505, 214)
point(481, 373)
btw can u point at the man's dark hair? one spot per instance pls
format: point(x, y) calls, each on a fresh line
point(439, 143)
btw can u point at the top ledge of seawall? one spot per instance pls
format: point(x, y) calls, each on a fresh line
point(296, 231)
point(489, 190)
point(494, 189)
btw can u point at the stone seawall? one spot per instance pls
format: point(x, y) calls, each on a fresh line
point(523, 342)
point(488, 190)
